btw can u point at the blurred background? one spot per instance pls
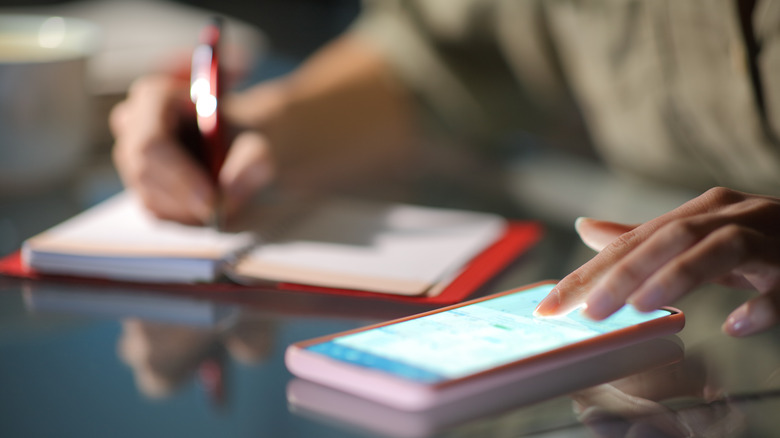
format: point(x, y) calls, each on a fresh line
point(268, 38)
point(294, 27)
point(265, 39)
point(144, 36)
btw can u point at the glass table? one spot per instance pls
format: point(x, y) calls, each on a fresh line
point(89, 361)
point(81, 360)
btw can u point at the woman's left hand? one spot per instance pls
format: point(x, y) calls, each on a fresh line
point(723, 235)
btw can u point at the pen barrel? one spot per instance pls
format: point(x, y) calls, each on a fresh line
point(205, 90)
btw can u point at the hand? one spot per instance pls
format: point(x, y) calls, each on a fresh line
point(723, 236)
point(162, 356)
point(341, 120)
point(152, 160)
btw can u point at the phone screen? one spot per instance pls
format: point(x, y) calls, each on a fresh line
point(472, 338)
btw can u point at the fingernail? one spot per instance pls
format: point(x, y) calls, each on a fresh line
point(738, 323)
point(549, 304)
point(579, 221)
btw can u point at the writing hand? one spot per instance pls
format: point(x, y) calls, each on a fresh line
point(152, 160)
point(723, 235)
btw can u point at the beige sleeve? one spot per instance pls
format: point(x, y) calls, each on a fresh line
point(463, 60)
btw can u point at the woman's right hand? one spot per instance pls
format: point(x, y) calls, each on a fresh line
point(153, 161)
point(341, 120)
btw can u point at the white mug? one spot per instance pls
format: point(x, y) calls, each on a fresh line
point(45, 104)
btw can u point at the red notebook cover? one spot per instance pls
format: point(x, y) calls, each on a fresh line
point(518, 238)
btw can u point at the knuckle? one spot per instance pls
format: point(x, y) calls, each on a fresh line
point(687, 272)
point(685, 230)
point(735, 241)
point(621, 244)
point(721, 196)
point(733, 233)
point(625, 273)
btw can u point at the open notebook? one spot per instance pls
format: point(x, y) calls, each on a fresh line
point(337, 243)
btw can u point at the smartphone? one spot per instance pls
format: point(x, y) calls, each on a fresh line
point(442, 356)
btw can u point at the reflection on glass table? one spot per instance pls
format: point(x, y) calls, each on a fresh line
point(117, 302)
point(650, 390)
point(166, 340)
point(95, 371)
point(311, 399)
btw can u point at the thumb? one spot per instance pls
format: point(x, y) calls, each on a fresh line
point(597, 234)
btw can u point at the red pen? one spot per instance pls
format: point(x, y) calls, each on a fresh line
point(205, 88)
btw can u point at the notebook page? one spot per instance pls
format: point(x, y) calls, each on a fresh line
point(120, 226)
point(389, 248)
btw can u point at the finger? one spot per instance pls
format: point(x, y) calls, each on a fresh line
point(176, 187)
point(153, 107)
point(629, 274)
point(723, 250)
point(168, 181)
point(150, 158)
point(597, 234)
point(248, 167)
point(566, 297)
point(608, 279)
point(570, 292)
point(754, 316)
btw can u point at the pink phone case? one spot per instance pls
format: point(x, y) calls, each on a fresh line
point(316, 401)
point(410, 395)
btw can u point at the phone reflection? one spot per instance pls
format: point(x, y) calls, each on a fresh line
point(165, 340)
point(326, 404)
point(673, 401)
